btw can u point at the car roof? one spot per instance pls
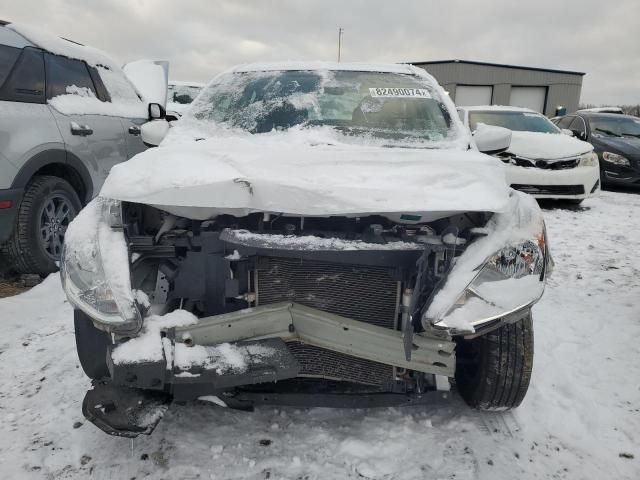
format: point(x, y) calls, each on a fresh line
point(10, 38)
point(354, 67)
point(62, 46)
point(602, 115)
point(497, 108)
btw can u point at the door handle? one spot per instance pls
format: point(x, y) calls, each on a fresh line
point(82, 130)
point(134, 130)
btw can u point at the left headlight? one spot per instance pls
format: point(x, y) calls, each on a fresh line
point(95, 268)
point(589, 160)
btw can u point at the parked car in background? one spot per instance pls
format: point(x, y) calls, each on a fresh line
point(329, 227)
point(616, 140)
point(67, 115)
point(602, 110)
point(180, 95)
point(541, 160)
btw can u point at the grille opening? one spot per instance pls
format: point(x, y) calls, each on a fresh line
point(368, 294)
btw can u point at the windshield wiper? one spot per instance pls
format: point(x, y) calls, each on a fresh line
point(607, 132)
point(636, 135)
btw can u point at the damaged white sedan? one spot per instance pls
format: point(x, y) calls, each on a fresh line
point(315, 234)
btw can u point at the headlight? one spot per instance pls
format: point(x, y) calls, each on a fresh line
point(589, 160)
point(510, 280)
point(95, 268)
point(616, 159)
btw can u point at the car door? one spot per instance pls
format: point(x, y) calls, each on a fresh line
point(90, 133)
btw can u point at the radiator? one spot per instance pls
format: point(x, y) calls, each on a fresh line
point(365, 293)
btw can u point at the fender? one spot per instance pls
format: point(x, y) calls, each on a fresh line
point(55, 157)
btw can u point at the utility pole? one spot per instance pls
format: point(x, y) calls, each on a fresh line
point(340, 32)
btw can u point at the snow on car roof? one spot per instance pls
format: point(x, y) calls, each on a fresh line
point(61, 46)
point(355, 67)
point(497, 108)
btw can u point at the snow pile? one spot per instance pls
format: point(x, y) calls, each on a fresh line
point(521, 222)
point(310, 242)
point(546, 146)
point(288, 172)
point(148, 345)
point(223, 358)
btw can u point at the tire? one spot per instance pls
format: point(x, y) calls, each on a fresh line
point(48, 206)
point(92, 346)
point(493, 371)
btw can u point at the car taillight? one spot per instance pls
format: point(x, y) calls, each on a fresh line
point(5, 204)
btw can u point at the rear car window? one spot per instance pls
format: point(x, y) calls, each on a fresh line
point(66, 76)
point(25, 82)
point(8, 57)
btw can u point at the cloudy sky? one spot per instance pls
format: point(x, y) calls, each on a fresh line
point(203, 37)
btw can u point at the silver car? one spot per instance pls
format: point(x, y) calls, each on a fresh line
point(68, 114)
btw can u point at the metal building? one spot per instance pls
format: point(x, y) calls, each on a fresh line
point(479, 83)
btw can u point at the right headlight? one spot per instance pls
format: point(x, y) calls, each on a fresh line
point(616, 159)
point(95, 269)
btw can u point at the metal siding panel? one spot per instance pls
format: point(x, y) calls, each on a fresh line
point(564, 88)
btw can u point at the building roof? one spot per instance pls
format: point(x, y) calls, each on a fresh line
point(497, 108)
point(487, 64)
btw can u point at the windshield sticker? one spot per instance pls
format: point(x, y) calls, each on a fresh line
point(399, 92)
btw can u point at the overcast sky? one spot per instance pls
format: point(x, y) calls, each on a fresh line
point(203, 37)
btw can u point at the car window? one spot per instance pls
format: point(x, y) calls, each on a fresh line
point(8, 56)
point(615, 125)
point(564, 122)
point(25, 83)
point(67, 76)
point(389, 106)
point(101, 90)
point(522, 121)
point(578, 125)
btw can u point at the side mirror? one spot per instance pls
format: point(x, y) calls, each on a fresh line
point(566, 131)
point(153, 132)
point(579, 134)
point(156, 111)
point(491, 139)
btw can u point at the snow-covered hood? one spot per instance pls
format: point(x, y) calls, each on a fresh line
point(546, 146)
point(238, 176)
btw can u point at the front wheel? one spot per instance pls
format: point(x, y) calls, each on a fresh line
point(493, 371)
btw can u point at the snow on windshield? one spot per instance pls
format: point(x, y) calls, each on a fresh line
point(390, 106)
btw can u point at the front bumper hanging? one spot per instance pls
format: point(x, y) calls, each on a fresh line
point(125, 406)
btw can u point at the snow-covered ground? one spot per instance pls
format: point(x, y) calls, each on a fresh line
point(581, 418)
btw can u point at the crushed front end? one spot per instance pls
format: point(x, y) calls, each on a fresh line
point(275, 308)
